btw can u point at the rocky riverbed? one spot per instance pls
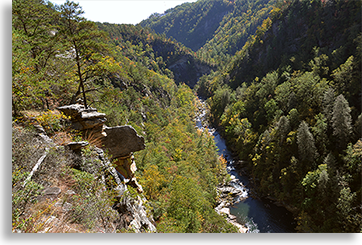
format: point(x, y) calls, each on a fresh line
point(229, 195)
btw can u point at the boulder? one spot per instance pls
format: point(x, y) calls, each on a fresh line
point(121, 141)
point(133, 215)
point(83, 118)
point(49, 193)
point(74, 146)
point(52, 191)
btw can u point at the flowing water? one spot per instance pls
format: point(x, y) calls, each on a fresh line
point(258, 214)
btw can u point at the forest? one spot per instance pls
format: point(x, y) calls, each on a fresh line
point(59, 57)
point(290, 104)
point(287, 98)
point(282, 81)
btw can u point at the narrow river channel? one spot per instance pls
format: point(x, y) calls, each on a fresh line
point(258, 214)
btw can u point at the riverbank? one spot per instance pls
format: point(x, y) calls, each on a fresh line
point(228, 194)
point(254, 212)
point(243, 171)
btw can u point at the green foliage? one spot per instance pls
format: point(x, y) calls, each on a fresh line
point(317, 178)
point(156, 52)
point(40, 75)
point(52, 121)
point(219, 102)
point(179, 170)
point(341, 121)
point(216, 29)
point(306, 145)
point(279, 98)
point(286, 96)
point(83, 38)
point(130, 82)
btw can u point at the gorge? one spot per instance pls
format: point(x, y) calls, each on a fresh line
point(281, 89)
point(255, 213)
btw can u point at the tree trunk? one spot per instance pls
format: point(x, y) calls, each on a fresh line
point(81, 84)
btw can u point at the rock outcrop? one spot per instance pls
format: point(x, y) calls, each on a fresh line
point(83, 118)
point(132, 212)
point(119, 142)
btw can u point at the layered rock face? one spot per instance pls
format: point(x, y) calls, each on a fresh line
point(82, 118)
point(120, 142)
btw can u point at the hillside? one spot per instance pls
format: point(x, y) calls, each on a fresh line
point(215, 29)
point(192, 24)
point(289, 104)
point(282, 84)
point(75, 90)
point(288, 38)
point(157, 52)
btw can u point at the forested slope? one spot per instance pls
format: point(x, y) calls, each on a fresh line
point(157, 52)
point(282, 80)
point(215, 29)
point(190, 23)
point(60, 58)
point(289, 104)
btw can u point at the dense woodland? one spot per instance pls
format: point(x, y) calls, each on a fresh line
point(290, 104)
point(58, 57)
point(282, 81)
point(287, 98)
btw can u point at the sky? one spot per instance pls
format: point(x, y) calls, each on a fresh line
point(123, 11)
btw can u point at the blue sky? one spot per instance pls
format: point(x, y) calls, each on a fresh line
point(123, 11)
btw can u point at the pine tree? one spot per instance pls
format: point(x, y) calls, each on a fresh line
point(34, 45)
point(306, 146)
point(341, 122)
point(328, 101)
point(283, 128)
point(83, 39)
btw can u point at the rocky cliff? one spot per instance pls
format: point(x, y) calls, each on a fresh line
point(188, 70)
point(119, 142)
point(80, 186)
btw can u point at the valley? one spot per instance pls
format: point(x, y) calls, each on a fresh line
point(281, 92)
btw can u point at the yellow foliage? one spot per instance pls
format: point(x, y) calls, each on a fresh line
point(51, 120)
point(151, 181)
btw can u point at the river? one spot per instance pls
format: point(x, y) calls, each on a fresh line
point(258, 214)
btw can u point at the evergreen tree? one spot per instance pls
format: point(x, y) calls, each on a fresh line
point(331, 162)
point(36, 21)
point(83, 39)
point(306, 146)
point(283, 128)
point(34, 45)
point(320, 133)
point(357, 129)
point(328, 101)
point(341, 122)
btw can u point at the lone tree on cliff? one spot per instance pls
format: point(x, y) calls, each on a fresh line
point(84, 41)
